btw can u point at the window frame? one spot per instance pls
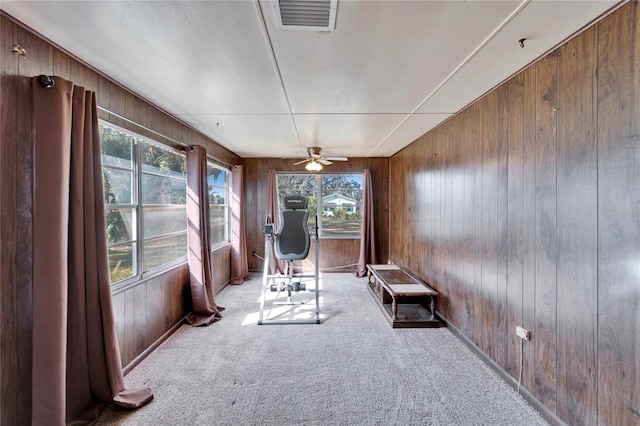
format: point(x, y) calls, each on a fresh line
point(226, 205)
point(140, 273)
point(319, 205)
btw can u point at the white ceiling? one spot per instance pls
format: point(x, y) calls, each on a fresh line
point(391, 70)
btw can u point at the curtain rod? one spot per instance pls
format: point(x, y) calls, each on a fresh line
point(159, 134)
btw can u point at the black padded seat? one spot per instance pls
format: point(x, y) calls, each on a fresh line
point(292, 237)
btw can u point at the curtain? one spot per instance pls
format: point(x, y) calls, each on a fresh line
point(239, 264)
point(368, 233)
point(273, 211)
point(205, 310)
point(76, 365)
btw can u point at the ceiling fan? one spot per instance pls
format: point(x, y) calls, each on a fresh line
point(316, 160)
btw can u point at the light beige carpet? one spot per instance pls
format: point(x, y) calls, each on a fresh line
point(353, 369)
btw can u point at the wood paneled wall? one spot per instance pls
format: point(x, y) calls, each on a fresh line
point(332, 252)
point(145, 312)
point(524, 209)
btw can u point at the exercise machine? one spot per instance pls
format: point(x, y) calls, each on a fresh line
point(291, 241)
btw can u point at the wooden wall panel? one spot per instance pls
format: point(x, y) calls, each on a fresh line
point(619, 218)
point(336, 255)
point(221, 267)
point(515, 219)
point(118, 303)
point(449, 217)
point(337, 252)
point(544, 300)
point(577, 229)
point(410, 193)
point(140, 309)
point(488, 229)
point(398, 196)
point(503, 247)
point(156, 296)
point(465, 184)
point(14, 306)
point(559, 235)
point(128, 345)
point(528, 222)
point(474, 206)
point(409, 198)
point(144, 312)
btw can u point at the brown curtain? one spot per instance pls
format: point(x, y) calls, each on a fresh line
point(205, 310)
point(76, 364)
point(273, 211)
point(368, 233)
point(239, 264)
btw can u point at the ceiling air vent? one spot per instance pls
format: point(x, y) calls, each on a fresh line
point(314, 15)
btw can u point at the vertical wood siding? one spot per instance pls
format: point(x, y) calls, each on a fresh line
point(534, 206)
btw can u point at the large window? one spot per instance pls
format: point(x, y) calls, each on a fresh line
point(145, 203)
point(338, 198)
point(218, 182)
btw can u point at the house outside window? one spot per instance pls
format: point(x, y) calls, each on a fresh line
point(145, 189)
point(337, 196)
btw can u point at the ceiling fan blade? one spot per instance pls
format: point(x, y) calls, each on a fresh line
point(337, 158)
point(300, 162)
point(324, 161)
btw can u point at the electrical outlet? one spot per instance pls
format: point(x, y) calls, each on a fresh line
point(523, 333)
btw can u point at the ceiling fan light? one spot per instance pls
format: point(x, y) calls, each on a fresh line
point(313, 166)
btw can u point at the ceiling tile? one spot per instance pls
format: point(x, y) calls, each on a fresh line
point(348, 135)
point(246, 135)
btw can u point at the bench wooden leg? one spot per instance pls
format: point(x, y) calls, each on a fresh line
point(432, 305)
point(394, 308)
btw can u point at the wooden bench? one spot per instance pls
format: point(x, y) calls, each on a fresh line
point(393, 286)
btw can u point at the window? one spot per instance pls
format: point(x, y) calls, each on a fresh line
point(145, 203)
point(218, 182)
point(338, 198)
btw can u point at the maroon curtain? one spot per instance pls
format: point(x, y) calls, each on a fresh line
point(273, 211)
point(76, 362)
point(239, 264)
point(205, 310)
point(368, 233)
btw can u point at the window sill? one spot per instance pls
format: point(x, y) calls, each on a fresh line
point(339, 237)
point(124, 285)
point(220, 246)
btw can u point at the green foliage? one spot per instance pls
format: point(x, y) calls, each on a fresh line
point(116, 147)
point(161, 160)
point(116, 230)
